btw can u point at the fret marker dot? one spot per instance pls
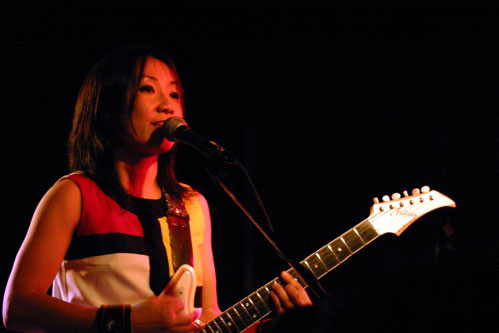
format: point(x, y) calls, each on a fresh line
point(254, 316)
point(339, 249)
point(246, 304)
point(229, 324)
point(316, 266)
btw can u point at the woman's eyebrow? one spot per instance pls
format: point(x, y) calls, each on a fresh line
point(156, 79)
point(150, 77)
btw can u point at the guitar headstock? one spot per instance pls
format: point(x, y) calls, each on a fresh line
point(395, 214)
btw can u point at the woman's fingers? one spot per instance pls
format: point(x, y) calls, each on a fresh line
point(280, 298)
point(290, 296)
point(296, 292)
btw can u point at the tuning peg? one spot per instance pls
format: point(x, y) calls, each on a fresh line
point(405, 194)
point(395, 196)
point(386, 198)
point(416, 191)
point(376, 200)
point(425, 189)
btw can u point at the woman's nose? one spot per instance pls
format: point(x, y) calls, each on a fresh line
point(166, 110)
point(165, 106)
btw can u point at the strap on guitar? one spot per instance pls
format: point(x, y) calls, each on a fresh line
point(180, 233)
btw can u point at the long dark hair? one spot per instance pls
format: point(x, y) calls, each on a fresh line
point(103, 110)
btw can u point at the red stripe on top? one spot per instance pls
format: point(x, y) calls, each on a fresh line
point(102, 215)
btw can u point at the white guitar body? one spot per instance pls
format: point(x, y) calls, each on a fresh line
point(183, 286)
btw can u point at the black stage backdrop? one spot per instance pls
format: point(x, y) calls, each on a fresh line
point(326, 111)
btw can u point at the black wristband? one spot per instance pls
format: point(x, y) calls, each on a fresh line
point(114, 318)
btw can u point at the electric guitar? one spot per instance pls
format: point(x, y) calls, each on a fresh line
point(392, 215)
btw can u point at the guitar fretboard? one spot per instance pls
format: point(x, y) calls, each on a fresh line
point(254, 307)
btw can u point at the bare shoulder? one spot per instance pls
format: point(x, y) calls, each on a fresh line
point(195, 197)
point(198, 209)
point(201, 200)
point(66, 186)
point(64, 191)
point(62, 202)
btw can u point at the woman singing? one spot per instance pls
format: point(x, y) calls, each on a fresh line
point(109, 236)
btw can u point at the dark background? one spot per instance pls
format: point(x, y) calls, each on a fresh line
point(326, 111)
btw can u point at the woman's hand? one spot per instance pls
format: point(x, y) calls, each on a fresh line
point(290, 296)
point(162, 313)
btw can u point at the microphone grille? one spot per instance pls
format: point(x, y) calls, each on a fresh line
point(171, 125)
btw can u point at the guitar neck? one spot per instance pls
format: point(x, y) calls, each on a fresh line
point(254, 307)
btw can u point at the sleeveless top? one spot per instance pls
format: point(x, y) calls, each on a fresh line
point(119, 256)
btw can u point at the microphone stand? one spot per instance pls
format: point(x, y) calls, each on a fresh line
point(219, 176)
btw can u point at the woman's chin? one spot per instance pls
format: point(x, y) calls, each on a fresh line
point(161, 148)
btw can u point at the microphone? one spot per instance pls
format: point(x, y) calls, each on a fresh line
point(176, 129)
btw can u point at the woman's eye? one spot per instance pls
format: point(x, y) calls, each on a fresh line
point(148, 89)
point(175, 95)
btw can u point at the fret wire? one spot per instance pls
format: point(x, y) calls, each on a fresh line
point(244, 307)
point(264, 292)
point(352, 240)
point(255, 315)
point(340, 251)
point(357, 233)
point(232, 320)
point(341, 247)
point(223, 322)
point(309, 268)
point(256, 308)
point(316, 265)
point(240, 318)
point(320, 259)
point(267, 289)
point(268, 286)
point(332, 251)
point(218, 327)
point(263, 301)
point(243, 315)
point(208, 326)
point(259, 305)
point(343, 241)
point(328, 257)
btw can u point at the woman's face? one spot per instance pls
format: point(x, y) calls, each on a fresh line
point(158, 99)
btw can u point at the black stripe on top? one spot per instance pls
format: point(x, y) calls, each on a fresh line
point(100, 244)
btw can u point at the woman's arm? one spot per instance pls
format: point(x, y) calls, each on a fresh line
point(25, 304)
point(209, 293)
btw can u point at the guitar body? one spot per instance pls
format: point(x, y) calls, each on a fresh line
point(183, 286)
